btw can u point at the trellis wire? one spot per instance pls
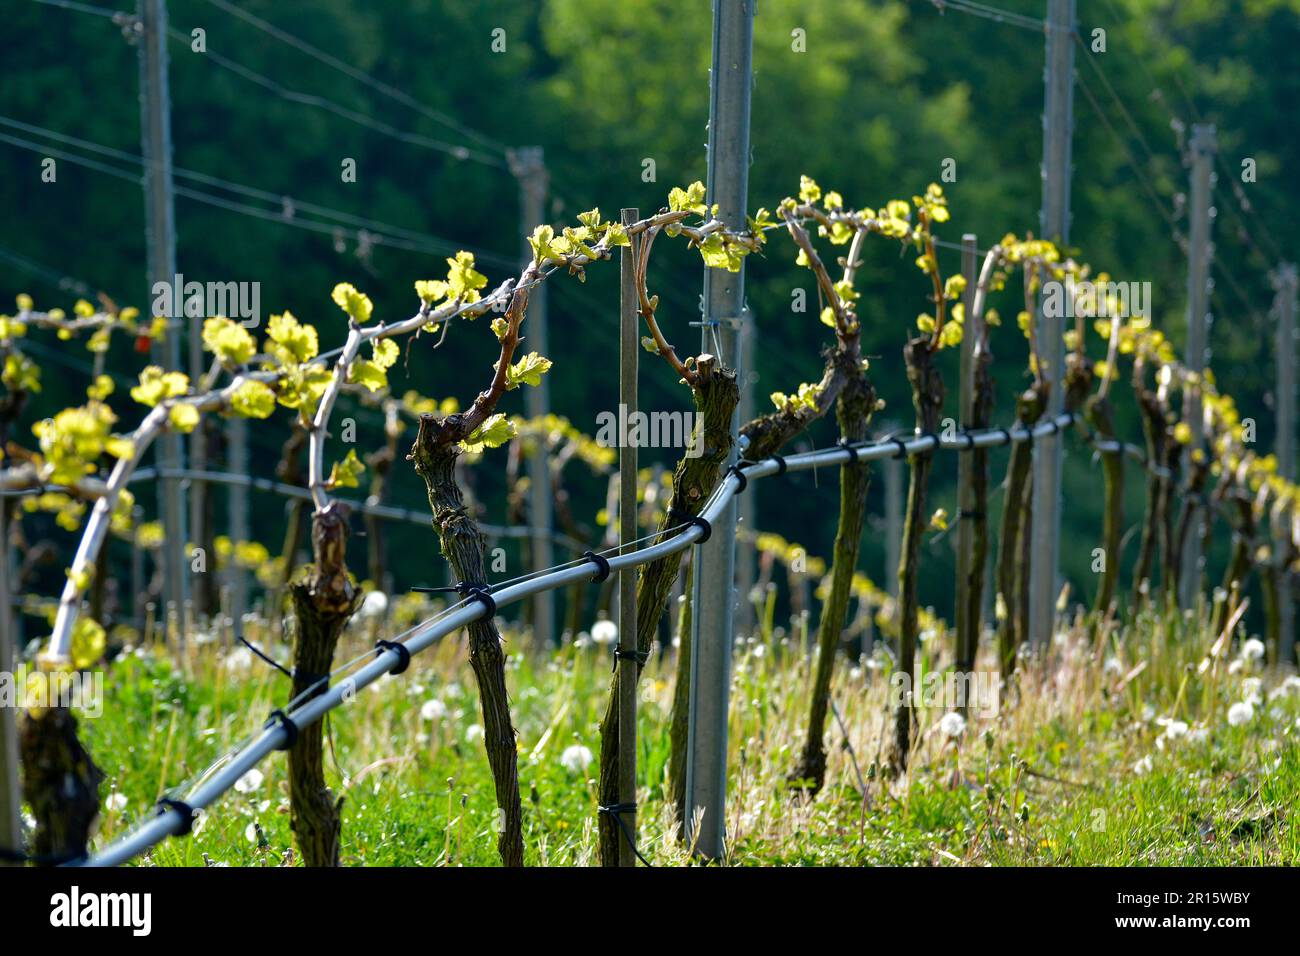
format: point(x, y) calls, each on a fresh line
point(169, 820)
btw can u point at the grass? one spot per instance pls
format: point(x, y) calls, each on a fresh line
point(1111, 749)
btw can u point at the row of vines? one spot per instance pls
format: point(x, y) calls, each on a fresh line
point(81, 464)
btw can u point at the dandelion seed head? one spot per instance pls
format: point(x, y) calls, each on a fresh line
point(433, 710)
point(952, 724)
point(604, 632)
point(249, 781)
point(1241, 713)
point(576, 758)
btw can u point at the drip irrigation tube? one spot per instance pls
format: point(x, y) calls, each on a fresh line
point(171, 821)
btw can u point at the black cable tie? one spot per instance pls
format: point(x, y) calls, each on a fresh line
point(477, 592)
point(702, 523)
point(1006, 436)
point(851, 449)
point(403, 653)
point(265, 657)
point(480, 593)
point(602, 565)
point(284, 720)
point(742, 481)
point(184, 809)
point(937, 442)
point(902, 447)
point(780, 464)
point(633, 655)
point(970, 438)
point(616, 810)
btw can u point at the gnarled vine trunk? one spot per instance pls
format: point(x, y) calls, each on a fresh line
point(766, 436)
point(1237, 573)
point(1197, 476)
point(927, 400)
point(60, 783)
point(1102, 418)
point(982, 411)
point(853, 411)
point(435, 452)
point(1014, 532)
point(324, 599)
point(716, 395)
point(1153, 432)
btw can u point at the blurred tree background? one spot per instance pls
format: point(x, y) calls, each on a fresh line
point(883, 94)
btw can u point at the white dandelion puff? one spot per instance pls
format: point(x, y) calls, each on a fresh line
point(1252, 690)
point(433, 710)
point(604, 632)
point(240, 659)
point(1175, 729)
point(1252, 650)
point(952, 724)
point(576, 758)
point(1144, 766)
point(1240, 713)
point(374, 606)
point(249, 781)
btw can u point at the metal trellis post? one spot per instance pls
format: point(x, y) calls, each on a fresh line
point(1199, 251)
point(629, 349)
point(529, 168)
point(160, 235)
point(967, 629)
point(714, 585)
point(746, 507)
point(237, 502)
point(1058, 121)
point(11, 834)
point(1284, 281)
point(893, 469)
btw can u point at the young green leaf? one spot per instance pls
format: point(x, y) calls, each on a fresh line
point(495, 431)
point(347, 473)
point(228, 341)
point(253, 400)
point(354, 303)
point(527, 371)
point(368, 374)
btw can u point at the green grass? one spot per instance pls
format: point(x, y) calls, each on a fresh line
point(1076, 769)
